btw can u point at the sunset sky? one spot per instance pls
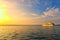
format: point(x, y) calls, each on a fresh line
point(29, 11)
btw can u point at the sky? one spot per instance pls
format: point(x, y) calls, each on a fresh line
point(29, 11)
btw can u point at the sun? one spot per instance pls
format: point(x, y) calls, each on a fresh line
point(3, 12)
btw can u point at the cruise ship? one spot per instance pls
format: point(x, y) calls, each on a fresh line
point(48, 24)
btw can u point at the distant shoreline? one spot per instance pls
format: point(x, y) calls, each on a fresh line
point(20, 25)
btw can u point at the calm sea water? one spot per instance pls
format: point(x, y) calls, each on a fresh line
point(29, 33)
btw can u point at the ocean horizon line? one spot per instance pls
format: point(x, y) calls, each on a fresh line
point(25, 25)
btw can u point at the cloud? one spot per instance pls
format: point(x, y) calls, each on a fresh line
point(35, 15)
point(49, 13)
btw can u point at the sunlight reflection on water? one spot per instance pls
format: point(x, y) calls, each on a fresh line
point(29, 33)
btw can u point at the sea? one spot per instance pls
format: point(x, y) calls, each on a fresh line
point(29, 32)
